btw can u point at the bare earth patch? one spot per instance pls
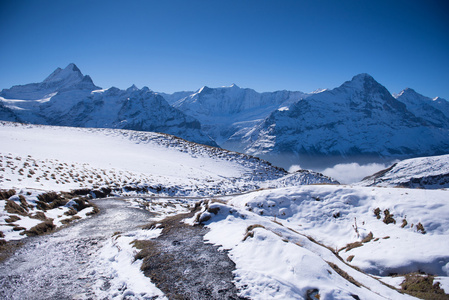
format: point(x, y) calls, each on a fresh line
point(183, 266)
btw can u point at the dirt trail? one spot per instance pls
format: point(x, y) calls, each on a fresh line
point(178, 261)
point(52, 266)
point(184, 267)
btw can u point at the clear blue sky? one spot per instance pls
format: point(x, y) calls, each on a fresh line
point(266, 45)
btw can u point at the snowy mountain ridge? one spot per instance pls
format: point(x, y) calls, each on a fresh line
point(69, 78)
point(229, 113)
point(422, 172)
point(359, 118)
point(68, 98)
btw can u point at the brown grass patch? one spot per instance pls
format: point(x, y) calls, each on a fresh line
point(368, 238)
point(377, 212)
point(23, 203)
point(353, 245)
point(344, 274)
point(12, 219)
point(13, 208)
point(422, 286)
point(249, 231)
point(67, 221)
point(39, 215)
point(404, 223)
point(388, 218)
point(7, 248)
point(96, 210)
point(6, 194)
point(41, 228)
point(420, 228)
point(71, 212)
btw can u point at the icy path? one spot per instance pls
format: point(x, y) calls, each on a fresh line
point(54, 266)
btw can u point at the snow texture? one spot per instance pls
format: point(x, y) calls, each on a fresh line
point(266, 234)
point(422, 172)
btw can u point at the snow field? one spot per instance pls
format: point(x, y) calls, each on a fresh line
point(266, 235)
point(339, 215)
point(266, 231)
point(275, 262)
point(64, 158)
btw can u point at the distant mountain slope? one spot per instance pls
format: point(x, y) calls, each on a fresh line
point(60, 80)
point(434, 111)
point(66, 158)
point(172, 98)
point(359, 118)
point(69, 98)
point(359, 121)
point(227, 114)
point(422, 172)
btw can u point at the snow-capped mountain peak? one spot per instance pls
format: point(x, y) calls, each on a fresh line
point(70, 73)
point(406, 91)
point(61, 80)
point(359, 118)
point(69, 98)
point(132, 88)
point(319, 90)
point(363, 81)
point(434, 111)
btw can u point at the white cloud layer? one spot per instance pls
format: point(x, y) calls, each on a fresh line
point(294, 168)
point(353, 172)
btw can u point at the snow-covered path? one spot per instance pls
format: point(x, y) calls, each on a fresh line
point(67, 264)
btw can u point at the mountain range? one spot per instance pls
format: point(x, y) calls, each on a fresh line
point(68, 98)
point(360, 119)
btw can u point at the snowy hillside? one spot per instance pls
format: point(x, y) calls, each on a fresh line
point(65, 158)
point(276, 239)
point(228, 114)
point(68, 98)
point(359, 118)
point(423, 172)
point(287, 240)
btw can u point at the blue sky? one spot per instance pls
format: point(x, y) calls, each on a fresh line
point(265, 45)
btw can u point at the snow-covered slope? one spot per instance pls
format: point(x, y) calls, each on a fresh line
point(359, 118)
point(69, 98)
point(65, 158)
point(422, 172)
point(135, 109)
point(434, 111)
point(228, 114)
point(277, 238)
point(288, 241)
point(60, 80)
point(172, 98)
